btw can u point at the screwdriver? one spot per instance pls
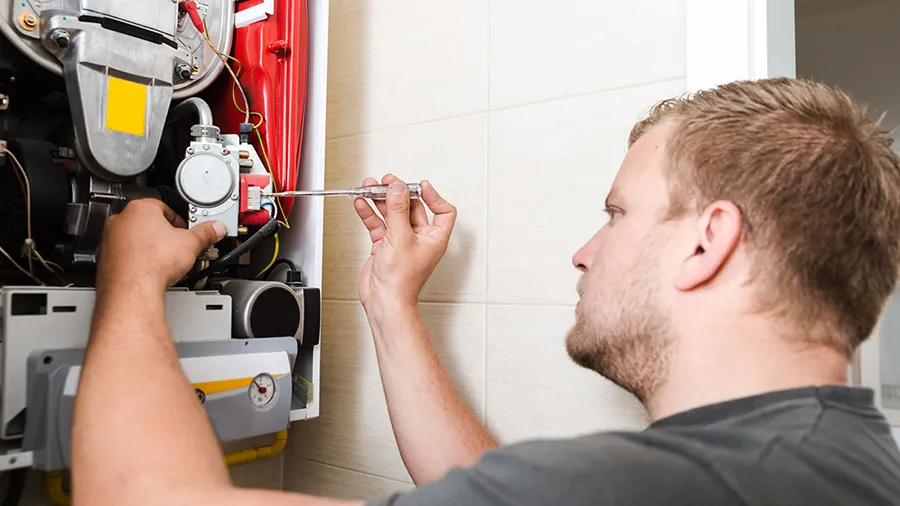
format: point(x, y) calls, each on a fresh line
point(374, 192)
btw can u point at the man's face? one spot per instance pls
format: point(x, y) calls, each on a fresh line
point(622, 326)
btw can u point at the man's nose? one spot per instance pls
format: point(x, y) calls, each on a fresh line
point(580, 259)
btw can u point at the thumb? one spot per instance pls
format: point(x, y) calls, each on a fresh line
point(208, 234)
point(397, 219)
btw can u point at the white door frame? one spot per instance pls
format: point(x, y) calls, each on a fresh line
point(730, 40)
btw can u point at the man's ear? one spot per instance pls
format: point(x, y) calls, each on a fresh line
point(718, 234)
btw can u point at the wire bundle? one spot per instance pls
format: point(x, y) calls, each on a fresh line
point(31, 251)
point(237, 86)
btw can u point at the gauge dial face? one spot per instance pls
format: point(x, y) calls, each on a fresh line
point(262, 390)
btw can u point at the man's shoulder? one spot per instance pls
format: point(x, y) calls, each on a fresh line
point(601, 468)
point(669, 457)
point(612, 448)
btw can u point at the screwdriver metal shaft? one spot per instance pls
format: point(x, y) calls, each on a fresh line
point(374, 192)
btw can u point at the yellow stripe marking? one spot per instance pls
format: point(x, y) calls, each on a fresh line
point(214, 387)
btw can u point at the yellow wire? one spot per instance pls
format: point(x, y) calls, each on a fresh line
point(47, 265)
point(247, 114)
point(262, 148)
point(55, 266)
point(271, 262)
point(227, 67)
point(17, 266)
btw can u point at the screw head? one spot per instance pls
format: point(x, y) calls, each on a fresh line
point(205, 212)
point(60, 37)
point(193, 218)
point(228, 161)
point(28, 21)
point(206, 147)
point(193, 209)
point(190, 151)
point(234, 196)
point(226, 152)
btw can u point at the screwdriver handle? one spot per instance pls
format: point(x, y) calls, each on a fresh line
point(379, 191)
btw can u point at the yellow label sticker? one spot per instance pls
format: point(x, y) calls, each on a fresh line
point(126, 106)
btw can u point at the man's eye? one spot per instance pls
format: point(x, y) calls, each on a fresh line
point(613, 213)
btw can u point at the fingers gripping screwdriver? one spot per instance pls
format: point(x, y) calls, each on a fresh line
point(374, 192)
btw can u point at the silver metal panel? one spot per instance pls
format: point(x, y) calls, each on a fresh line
point(93, 56)
point(192, 317)
point(157, 15)
point(191, 46)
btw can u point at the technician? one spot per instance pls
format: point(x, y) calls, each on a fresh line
point(752, 243)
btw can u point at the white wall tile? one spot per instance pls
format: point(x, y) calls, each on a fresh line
point(400, 62)
point(551, 166)
point(543, 50)
point(535, 391)
point(354, 430)
point(323, 480)
point(452, 155)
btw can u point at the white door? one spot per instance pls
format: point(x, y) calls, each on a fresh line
point(729, 40)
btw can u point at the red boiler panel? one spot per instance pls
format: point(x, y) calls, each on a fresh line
point(273, 55)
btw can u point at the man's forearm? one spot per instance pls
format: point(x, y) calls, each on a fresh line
point(434, 428)
point(138, 428)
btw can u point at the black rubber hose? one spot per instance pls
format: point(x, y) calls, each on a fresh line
point(16, 487)
point(266, 231)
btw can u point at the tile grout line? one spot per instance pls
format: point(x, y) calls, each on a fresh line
point(573, 96)
point(506, 107)
point(487, 221)
point(407, 125)
point(281, 471)
point(365, 473)
point(470, 303)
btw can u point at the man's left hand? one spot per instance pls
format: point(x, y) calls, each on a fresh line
point(148, 243)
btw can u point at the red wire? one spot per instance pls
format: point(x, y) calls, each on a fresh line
point(21, 183)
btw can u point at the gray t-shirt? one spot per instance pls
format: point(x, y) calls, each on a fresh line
point(807, 446)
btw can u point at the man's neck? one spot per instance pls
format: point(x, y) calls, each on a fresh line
point(725, 370)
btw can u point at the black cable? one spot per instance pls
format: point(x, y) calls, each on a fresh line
point(284, 261)
point(16, 487)
point(266, 231)
point(293, 274)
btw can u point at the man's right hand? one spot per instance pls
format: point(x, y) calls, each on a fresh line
point(406, 248)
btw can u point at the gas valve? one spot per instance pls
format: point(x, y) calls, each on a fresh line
point(223, 181)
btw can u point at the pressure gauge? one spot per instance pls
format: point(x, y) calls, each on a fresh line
point(262, 390)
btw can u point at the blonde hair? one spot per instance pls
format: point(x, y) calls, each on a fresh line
point(817, 185)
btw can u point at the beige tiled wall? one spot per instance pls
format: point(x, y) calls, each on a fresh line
point(518, 112)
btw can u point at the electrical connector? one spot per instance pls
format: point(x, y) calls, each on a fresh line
point(244, 130)
point(254, 198)
point(190, 7)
